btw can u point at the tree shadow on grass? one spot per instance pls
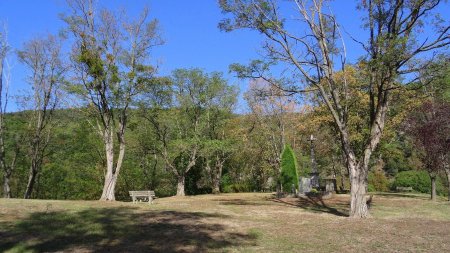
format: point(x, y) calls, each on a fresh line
point(317, 204)
point(241, 202)
point(120, 230)
point(403, 195)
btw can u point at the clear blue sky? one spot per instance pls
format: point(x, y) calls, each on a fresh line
point(188, 27)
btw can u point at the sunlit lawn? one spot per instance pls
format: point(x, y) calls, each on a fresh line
point(248, 222)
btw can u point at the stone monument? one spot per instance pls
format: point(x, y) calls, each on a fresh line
point(304, 185)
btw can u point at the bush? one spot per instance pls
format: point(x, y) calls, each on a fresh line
point(225, 181)
point(378, 181)
point(371, 188)
point(238, 187)
point(289, 169)
point(419, 180)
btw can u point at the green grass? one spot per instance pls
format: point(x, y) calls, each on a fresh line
point(244, 222)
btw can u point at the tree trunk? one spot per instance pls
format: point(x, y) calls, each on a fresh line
point(109, 187)
point(216, 187)
point(342, 182)
point(447, 172)
point(180, 185)
point(217, 177)
point(433, 187)
point(111, 174)
point(358, 189)
point(31, 181)
point(8, 170)
point(6, 187)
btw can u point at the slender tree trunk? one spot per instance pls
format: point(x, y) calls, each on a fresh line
point(4, 168)
point(6, 187)
point(31, 181)
point(433, 187)
point(180, 185)
point(447, 171)
point(6, 172)
point(342, 181)
point(217, 177)
point(112, 172)
point(110, 180)
point(34, 168)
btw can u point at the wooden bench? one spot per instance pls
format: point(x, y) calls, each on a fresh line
point(142, 195)
point(404, 189)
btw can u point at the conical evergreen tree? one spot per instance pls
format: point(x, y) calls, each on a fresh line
point(289, 169)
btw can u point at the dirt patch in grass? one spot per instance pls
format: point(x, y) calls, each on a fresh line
point(249, 222)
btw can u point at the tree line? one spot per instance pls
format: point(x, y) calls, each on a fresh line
point(102, 110)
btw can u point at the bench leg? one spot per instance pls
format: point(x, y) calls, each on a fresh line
point(150, 200)
point(134, 199)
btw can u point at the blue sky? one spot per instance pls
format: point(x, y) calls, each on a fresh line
point(188, 27)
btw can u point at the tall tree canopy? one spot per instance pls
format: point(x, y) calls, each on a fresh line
point(191, 121)
point(110, 59)
point(309, 46)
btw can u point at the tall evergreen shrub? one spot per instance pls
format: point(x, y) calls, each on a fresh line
point(289, 169)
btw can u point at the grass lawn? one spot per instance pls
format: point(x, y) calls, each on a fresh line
point(244, 222)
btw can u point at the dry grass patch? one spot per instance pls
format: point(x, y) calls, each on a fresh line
point(246, 222)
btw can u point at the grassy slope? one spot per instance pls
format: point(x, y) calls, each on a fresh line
point(250, 222)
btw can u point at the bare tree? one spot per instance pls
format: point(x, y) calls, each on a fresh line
point(43, 58)
point(315, 53)
point(6, 167)
point(110, 59)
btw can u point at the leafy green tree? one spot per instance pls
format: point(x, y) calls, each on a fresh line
point(190, 118)
point(289, 169)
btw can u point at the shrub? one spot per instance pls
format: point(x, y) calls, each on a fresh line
point(378, 181)
point(289, 169)
point(371, 188)
point(225, 181)
point(238, 187)
point(419, 180)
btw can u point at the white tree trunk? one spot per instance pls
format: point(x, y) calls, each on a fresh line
point(111, 172)
point(358, 190)
point(180, 185)
point(6, 187)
